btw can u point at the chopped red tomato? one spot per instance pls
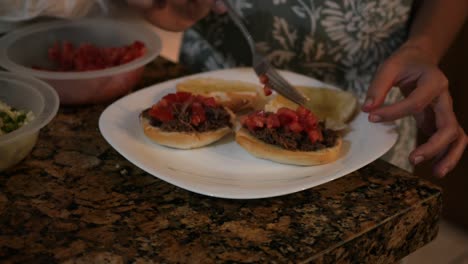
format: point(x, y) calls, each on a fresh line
point(170, 98)
point(206, 101)
point(295, 127)
point(198, 114)
point(287, 115)
point(88, 57)
point(254, 120)
point(164, 109)
point(163, 103)
point(267, 90)
point(249, 123)
point(210, 102)
point(296, 121)
point(303, 112)
point(263, 79)
point(183, 96)
point(310, 122)
point(273, 121)
point(315, 135)
point(307, 118)
point(54, 52)
point(259, 120)
point(162, 113)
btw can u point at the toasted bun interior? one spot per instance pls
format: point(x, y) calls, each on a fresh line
point(267, 151)
point(183, 140)
point(236, 95)
point(337, 107)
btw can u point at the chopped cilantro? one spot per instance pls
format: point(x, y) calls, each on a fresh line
point(12, 119)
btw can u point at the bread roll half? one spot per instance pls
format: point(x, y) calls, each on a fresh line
point(262, 150)
point(235, 95)
point(184, 140)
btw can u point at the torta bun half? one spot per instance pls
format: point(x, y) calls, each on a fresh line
point(235, 95)
point(184, 140)
point(263, 150)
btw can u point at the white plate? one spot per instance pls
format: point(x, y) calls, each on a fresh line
point(224, 169)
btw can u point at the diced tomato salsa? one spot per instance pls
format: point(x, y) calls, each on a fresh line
point(266, 85)
point(301, 120)
point(88, 57)
point(166, 108)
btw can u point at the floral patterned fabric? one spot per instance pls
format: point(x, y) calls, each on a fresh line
point(339, 42)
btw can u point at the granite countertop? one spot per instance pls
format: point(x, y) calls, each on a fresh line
point(76, 200)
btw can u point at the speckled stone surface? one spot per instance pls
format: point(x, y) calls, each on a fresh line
point(76, 200)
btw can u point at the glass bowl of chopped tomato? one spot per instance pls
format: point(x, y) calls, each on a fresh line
point(87, 61)
point(26, 106)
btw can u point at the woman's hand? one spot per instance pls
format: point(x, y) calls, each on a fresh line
point(427, 99)
point(176, 15)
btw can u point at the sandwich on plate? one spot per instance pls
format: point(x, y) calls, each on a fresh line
point(185, 121)
point(287, 133)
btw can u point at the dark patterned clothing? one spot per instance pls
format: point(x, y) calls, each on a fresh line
point(339, 42)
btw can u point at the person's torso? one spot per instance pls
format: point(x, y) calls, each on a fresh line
point(340, 42)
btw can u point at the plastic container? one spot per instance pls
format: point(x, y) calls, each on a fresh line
point(28, 46)
point(29, 94)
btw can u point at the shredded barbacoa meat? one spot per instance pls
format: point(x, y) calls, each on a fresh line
point(216, 117)
point(294, 141)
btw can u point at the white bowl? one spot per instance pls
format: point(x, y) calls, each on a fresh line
point(25, 93)
point(27, 46)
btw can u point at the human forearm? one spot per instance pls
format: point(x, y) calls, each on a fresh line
point(435, 26)
point(413, 68)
